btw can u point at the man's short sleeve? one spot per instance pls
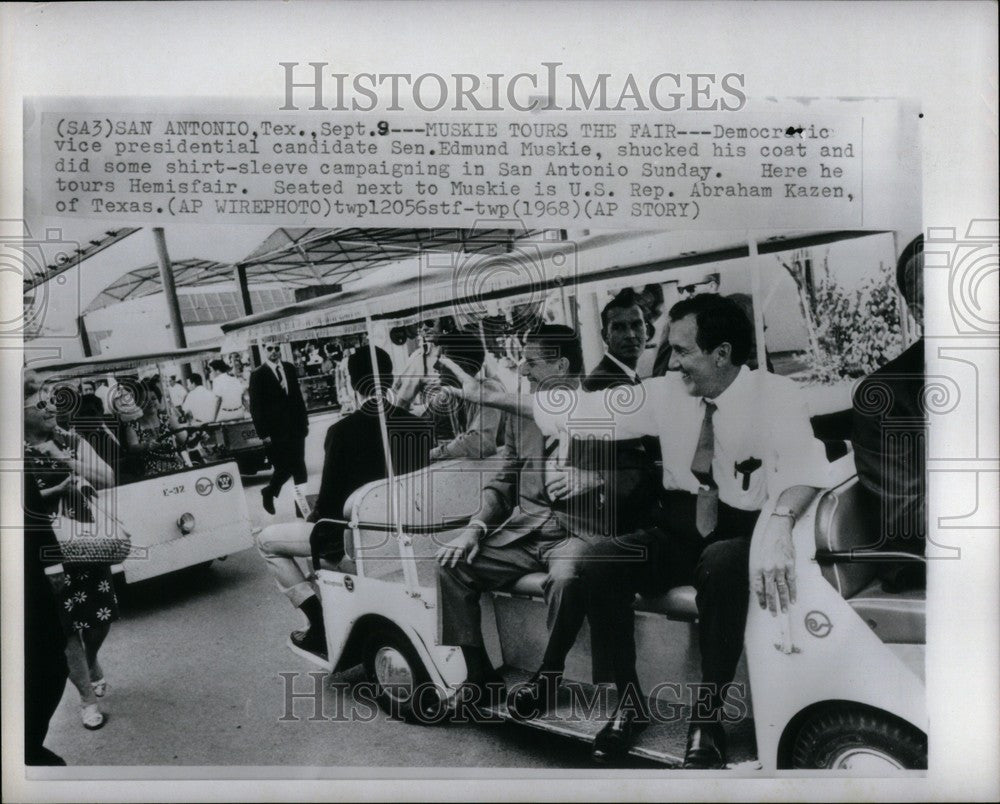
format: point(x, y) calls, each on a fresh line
point(797, 457)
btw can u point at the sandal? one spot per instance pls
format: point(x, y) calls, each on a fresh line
point(100, 687)
point(92, 717)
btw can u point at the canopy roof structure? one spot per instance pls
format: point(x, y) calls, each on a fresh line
point(302, 257)
point(145, 281)
point(311, 256)
point(65, 261)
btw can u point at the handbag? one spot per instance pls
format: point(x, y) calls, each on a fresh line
point(103, 540)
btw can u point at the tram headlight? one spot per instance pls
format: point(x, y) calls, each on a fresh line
point(185, 523)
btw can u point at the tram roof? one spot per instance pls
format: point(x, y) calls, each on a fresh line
point(112, 363)
point(607, 256)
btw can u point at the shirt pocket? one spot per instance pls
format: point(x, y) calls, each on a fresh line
point(749, 476)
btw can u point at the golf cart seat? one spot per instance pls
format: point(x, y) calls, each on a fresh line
point(843, 525)
point(677, 604)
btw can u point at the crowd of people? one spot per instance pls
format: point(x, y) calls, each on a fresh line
point(683, 484)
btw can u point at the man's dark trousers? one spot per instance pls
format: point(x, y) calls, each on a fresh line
point(288, 457)
point(674, 554)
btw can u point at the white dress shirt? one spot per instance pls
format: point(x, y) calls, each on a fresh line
point(760, 417)
point(230, 392)
point(200, 404)
point(178, 393)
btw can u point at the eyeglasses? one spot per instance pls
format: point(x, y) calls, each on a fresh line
point(272, 347)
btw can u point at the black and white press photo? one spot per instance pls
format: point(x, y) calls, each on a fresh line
point(370, 425)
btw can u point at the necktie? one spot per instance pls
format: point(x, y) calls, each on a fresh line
point(281, 377)
point(707, 513)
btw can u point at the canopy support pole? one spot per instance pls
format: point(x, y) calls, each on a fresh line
point(403, 540)
point(169, 289)
point(88, 350)
point(246, 304)
point(758, 301)
point(243, 288)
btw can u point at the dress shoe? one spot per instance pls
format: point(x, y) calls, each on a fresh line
point(308, 641)
point(535, 698)
point(267, 497)
point(615, 739)
point(706, 747)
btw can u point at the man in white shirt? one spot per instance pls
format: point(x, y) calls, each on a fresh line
point(229, 390)
point(200, 403)
point(732, 439)
point(177, 392)
point(101, 391)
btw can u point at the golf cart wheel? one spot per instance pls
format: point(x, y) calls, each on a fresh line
point(861, 740)
point(402, 685)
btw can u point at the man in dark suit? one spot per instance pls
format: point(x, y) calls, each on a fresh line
point(536, 516)
point(624, 331)
point(354, 457)
point(890, 439)
point(279, 415)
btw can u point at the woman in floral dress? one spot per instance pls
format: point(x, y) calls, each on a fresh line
point(67, 471)
point(149, 434)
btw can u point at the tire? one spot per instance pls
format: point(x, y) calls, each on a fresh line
point(388, 654)
point(856, 738)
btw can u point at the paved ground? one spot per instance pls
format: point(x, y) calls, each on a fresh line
point(194, 669)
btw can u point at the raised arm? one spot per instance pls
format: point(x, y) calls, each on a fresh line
point(92, 468)
point(410, 380)
point(479, 440)
point(473, 390)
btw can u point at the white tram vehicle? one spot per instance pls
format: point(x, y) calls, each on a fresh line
point(187, 515)
point(837, 682)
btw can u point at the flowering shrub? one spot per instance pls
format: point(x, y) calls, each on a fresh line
point(855, 333)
